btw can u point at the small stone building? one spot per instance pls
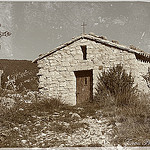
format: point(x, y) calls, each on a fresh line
point(70, 71)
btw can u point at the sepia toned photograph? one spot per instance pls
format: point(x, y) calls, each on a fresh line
point(75, 74)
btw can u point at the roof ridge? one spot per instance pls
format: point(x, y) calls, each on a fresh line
point(93, 37)
point(132, 47)
point(97, 36)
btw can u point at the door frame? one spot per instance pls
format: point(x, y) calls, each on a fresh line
point(91, 81)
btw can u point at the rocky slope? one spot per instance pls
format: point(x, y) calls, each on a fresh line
point(21, 73)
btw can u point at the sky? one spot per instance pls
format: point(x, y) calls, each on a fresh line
point(38, 27)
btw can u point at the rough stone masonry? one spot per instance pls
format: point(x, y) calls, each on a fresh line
point(57, 68)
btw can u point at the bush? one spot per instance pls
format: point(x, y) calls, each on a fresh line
point(116, 83)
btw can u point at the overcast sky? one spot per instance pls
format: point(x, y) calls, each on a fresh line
point(38, 27)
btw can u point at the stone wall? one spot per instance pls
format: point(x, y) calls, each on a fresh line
point(56, 73)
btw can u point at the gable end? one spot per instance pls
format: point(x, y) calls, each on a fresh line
point(140, 55)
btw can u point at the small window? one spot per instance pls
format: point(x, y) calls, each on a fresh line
point(85, 81)
point(84, 51)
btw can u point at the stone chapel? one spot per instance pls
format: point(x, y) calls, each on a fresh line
point(70, 71)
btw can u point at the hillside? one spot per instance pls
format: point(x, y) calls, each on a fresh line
point(23, 72)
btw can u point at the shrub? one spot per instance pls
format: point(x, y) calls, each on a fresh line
point(116, 83)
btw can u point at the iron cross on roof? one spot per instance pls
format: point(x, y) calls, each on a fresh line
point(6, 33)
point(83, 25)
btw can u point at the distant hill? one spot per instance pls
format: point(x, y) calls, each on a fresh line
point(22, 71)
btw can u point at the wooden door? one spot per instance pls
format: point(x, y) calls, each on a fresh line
point(84, 85)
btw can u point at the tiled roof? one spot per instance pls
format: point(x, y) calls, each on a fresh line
point(99, 39)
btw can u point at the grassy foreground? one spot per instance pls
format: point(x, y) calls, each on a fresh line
point(30, 116)
point(132, 122)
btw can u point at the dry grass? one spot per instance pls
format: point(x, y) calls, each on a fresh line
point(134, 119)
point(22, 111)
point(131, 122)
point(41, 113)
point(128, 110)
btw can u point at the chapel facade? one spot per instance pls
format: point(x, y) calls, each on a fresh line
point(70, 71)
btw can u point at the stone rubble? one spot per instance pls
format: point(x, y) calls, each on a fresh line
point(75, 115)
point(96, 133)
point(92, 135)
point(45, 133)
point(7, 102)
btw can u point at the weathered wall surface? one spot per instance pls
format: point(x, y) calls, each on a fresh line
point(56, 73)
